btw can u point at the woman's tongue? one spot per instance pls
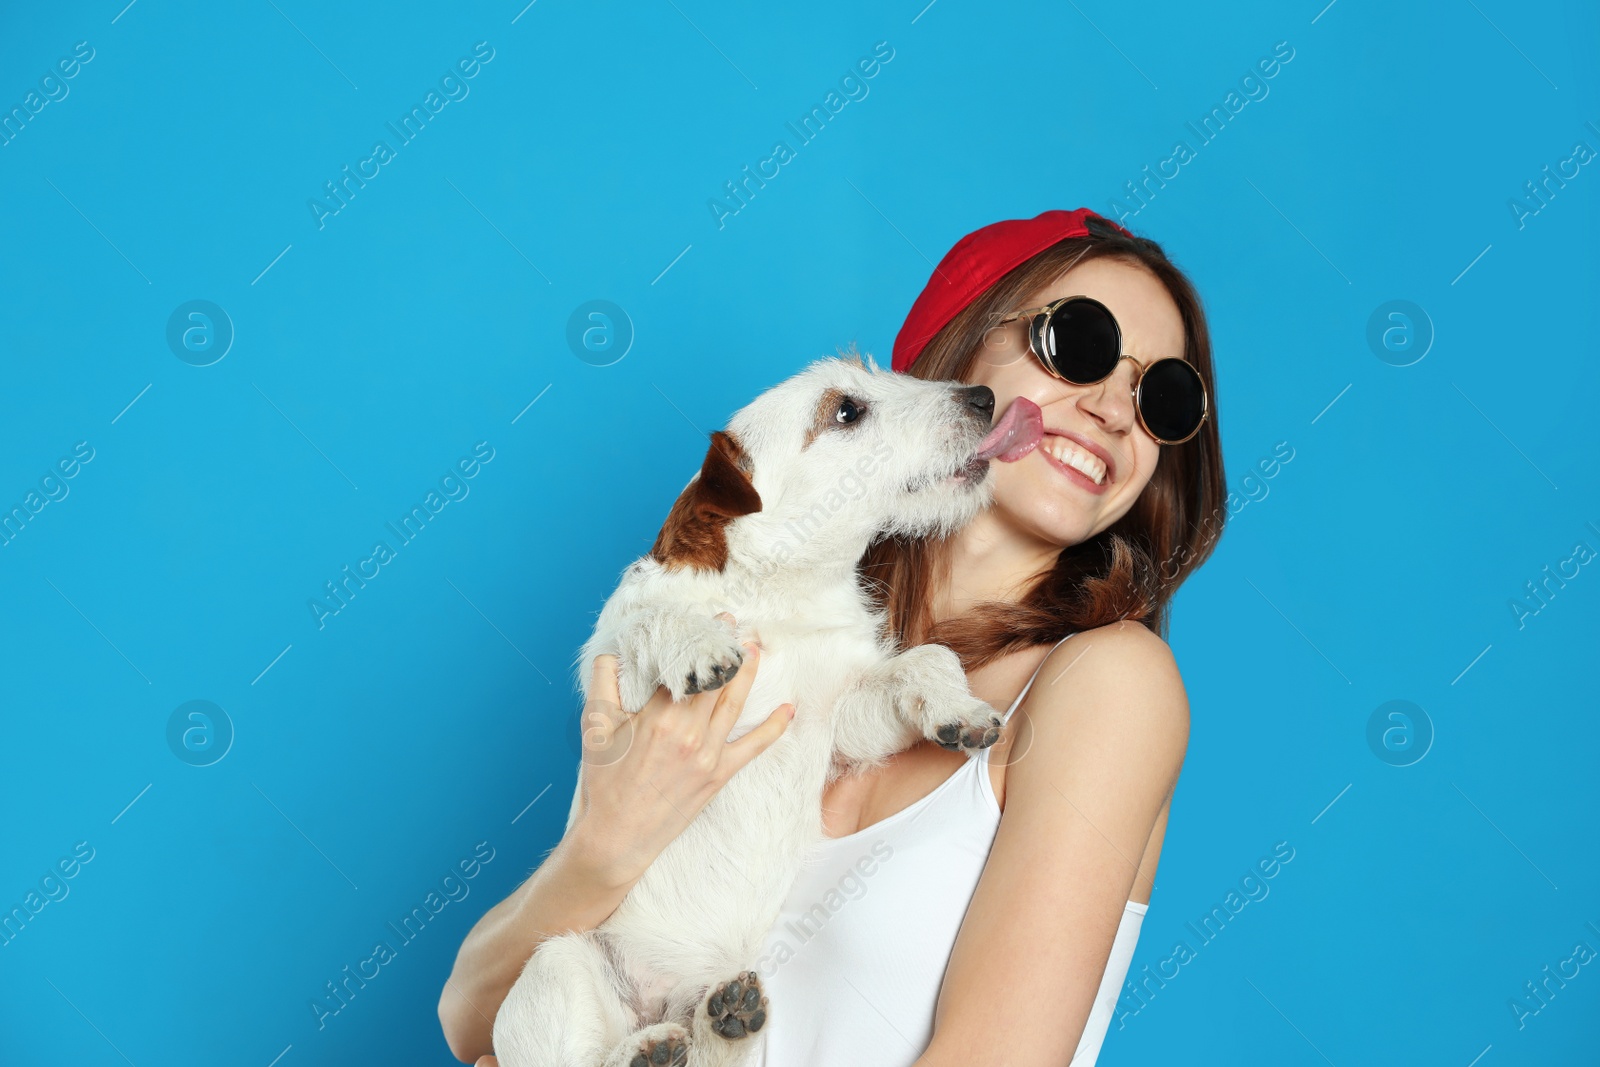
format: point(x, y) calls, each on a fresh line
point(1016, 434)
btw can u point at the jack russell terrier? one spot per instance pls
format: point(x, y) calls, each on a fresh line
point(770, 532)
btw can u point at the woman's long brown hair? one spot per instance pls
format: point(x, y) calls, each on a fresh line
point(1128, 571)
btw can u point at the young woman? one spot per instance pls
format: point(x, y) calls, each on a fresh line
point(968, 910)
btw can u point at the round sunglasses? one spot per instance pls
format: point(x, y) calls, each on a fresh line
point(1077, 339)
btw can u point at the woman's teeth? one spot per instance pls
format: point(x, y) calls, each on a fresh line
point(1087, 464)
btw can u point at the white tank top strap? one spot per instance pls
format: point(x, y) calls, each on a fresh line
point(1031, 679)
point(983, 785)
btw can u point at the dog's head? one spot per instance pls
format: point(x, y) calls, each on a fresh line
point(818, 465)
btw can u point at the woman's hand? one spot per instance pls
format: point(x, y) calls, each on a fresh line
point(643, 778)
point(646, 776)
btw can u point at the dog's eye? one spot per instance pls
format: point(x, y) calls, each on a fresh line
point(849, 411)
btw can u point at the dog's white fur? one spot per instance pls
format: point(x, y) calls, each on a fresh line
point(697, 917)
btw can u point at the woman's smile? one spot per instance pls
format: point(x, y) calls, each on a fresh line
point(1083, 462)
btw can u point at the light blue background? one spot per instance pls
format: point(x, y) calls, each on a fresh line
point(429, 313)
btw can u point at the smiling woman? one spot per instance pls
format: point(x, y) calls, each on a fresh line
point(1101, 546)
point(1036, 867)
point(1038, 863)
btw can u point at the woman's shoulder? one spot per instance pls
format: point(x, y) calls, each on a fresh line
point(1122, 675)
point(1107, 710)
point(1132, 643)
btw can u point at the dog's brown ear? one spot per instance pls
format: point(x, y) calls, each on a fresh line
point(694, 534)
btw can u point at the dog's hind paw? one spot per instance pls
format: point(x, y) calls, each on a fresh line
point(737, 1008)
point(661, 1045)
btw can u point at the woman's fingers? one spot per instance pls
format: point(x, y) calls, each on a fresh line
point(601, 716)
point(730, 698)
point(488, 1061)
point(759, 739)
point(603, 683)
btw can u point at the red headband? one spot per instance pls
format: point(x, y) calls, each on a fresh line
point(977, 261)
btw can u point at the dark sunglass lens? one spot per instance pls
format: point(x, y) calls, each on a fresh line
point(1082, 342)
point(1171, 399)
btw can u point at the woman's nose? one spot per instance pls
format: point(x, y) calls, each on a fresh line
point(1111, 401)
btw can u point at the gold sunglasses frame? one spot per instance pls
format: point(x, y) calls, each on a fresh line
point(1039, 318)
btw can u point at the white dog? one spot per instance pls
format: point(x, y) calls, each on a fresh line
point(769, 531)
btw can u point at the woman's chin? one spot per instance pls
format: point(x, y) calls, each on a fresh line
point(1043, 525)
point(1045, 511)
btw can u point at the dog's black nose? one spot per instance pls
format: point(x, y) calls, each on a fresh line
point(978, 399)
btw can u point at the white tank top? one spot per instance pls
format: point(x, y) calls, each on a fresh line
point(854, 963)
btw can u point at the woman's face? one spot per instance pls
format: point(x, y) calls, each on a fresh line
point(1043, 495)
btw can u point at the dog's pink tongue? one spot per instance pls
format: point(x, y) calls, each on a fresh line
point(1016, 434)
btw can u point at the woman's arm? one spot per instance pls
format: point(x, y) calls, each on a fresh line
point(642, 780)
point(1108, 741)
point(573, 890)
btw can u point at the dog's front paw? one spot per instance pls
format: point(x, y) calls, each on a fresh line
point(685, 653)
point(704, 655)
point(931, 694)
point(978, 728)
point(711, 666)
